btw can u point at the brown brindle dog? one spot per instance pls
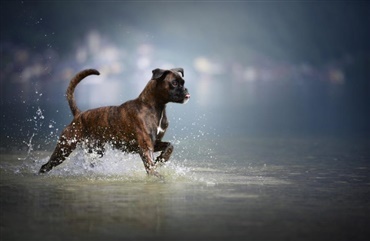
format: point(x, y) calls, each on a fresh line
point(136, 126)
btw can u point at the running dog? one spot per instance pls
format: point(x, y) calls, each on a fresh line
point(136, 126)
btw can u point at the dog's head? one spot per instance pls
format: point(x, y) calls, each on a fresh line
point(170, 85)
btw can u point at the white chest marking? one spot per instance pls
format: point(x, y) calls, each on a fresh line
point(159, 128)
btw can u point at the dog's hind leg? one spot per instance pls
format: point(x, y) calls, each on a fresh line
point(166, 149)
point(66, 144)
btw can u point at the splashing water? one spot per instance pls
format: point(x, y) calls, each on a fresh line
point(30, 148)
point(39, 131)
point(114, 165)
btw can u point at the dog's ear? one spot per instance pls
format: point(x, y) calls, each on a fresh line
point(159, 73)
point(181, 70)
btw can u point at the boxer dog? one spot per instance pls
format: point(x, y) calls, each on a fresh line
point(136, 126)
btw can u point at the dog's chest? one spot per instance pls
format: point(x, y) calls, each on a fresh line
point(159, 127)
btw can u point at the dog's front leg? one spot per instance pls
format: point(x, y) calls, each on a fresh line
point(147, 156)
point(166, 149)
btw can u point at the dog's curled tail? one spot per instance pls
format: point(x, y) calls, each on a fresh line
point(72, 85)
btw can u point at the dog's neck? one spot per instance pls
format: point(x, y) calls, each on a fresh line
point(150, 97)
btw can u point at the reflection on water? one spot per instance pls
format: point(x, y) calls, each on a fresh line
point(253, 189)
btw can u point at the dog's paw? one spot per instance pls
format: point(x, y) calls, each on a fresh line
point(45, 168)
point(159, 160)
point(154, 173)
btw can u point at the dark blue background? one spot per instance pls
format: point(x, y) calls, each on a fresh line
point(253, 68)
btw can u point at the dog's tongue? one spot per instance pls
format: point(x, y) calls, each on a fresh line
point(187, 96)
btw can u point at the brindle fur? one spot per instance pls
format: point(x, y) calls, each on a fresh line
point(130, 127)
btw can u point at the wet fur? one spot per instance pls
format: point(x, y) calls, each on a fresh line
point(135, 126)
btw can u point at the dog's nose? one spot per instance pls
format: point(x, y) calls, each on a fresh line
point(187, 95)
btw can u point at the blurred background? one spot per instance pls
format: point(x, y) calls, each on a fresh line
point(267, 68)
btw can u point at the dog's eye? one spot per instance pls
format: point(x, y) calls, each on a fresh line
point(174, 83)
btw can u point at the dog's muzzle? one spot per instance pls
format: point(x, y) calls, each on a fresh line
point(186, 97)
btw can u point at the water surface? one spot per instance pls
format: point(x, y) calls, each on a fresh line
point(237, 189)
